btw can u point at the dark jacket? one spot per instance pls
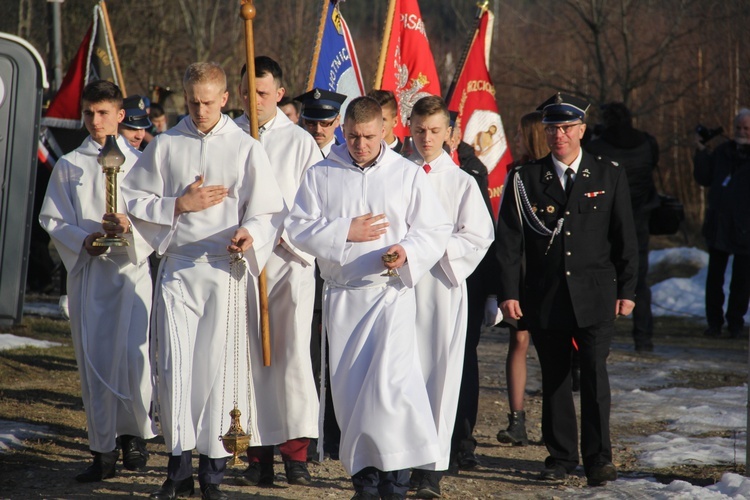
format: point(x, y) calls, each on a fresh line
point(638, 153)
point(726, 171)
point(591, 264)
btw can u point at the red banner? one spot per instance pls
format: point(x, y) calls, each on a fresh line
point(94, 61)
point(408, 68)
point(478, 116)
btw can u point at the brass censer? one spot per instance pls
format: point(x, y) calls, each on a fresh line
point(236, 440)
point(111, 159)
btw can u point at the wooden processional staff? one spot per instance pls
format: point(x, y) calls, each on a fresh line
point(247, 12)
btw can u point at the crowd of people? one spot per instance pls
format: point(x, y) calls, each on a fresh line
point(380, 271)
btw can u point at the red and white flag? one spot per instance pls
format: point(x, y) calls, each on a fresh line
point(473, 98)
point(406, 65)
point(96, 59)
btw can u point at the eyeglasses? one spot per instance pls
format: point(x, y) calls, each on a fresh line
point(315, 123)
point(565, 129)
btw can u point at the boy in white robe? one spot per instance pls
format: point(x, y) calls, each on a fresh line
point(360, 203)
point(201, 191)
point(287, 400)
point(441, 294)
point(109, 291)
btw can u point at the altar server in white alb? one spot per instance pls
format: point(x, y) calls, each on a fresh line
point(360, 203)
point(287, 399)
point(200, 192)
point(109, 291)
point(441, 294)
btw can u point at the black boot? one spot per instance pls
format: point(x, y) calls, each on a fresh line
point(102, 468)
point(515, 434)
point(134, 453)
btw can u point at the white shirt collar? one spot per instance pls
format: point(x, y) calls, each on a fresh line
point(560, 167)
point(326, 150)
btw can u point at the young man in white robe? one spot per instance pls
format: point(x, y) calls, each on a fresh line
point(441, 295)
point(202, 191)
point(109, 291)
point(287, 399)
point(360, 203)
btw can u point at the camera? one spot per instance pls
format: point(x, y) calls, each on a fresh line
point(706, 134)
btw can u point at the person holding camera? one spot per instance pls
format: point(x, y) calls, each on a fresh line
point(726, 227)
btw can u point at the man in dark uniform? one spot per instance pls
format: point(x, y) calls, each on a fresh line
point(133, 127)
point(320, 116)
point(569, 216)
point(637, 152)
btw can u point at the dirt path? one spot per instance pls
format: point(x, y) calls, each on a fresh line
point(45, 468)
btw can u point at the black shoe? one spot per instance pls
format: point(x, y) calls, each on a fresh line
point(467, 460)
point(297, 473)
point(515, 434)
point(212, 492)
point(645, 346)
point(600, 473)
point(553, 472)
point(257, 474)
point(429, 485)
point(170, 489)
point(102, 468)
point(363, 495)
point(736, 332)
point(713, 332)
point(415, 479)
point(134, 453)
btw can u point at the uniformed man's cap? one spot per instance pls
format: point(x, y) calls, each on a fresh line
point(320, 105)
point(563, 108)
point(135, 112)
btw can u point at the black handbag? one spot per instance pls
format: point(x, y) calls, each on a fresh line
point(666, 218)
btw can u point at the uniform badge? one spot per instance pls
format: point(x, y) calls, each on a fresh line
point(586, 172)
point(550, 209)
point(316, 95)
point(533, 208)
point(548, 176)
point(141, 104)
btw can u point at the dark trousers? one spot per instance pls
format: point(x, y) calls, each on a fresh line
point(294, 450)
point(210, 470)
point(559, 427)
point(643, 320)
point(468, 399)
point(739, 289)
point(381, 483)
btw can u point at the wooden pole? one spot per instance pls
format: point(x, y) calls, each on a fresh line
point(111, 37)
point(318, 42)
point(472, 36)
point(247, 12)
point(384, 46)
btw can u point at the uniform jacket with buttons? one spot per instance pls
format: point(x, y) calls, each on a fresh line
point(589, 265)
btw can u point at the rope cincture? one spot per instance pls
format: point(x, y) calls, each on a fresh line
point(526, 213)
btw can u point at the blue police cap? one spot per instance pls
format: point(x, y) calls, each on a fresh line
point(136, 115)
point(563, 108)
point(320, 105)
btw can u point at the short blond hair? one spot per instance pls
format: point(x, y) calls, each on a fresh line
point(205, 72)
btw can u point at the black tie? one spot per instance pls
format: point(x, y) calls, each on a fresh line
point(568, 182)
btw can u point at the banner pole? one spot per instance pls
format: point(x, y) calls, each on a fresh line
point(110, 36)
point(384, 46)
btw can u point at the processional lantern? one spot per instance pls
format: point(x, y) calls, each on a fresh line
point(111, 159)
